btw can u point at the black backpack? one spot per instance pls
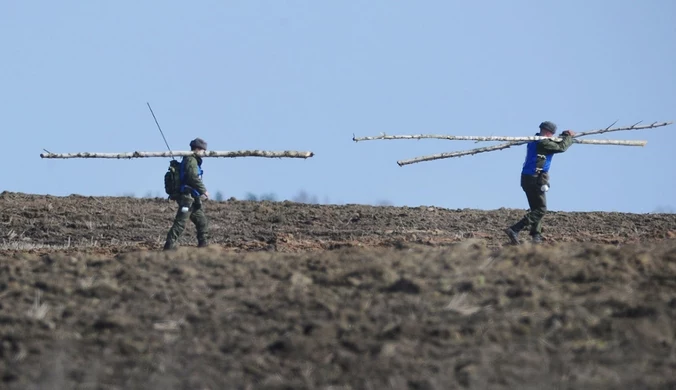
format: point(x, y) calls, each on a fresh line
point(172, 179)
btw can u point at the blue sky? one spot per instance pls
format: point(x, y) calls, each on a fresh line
point(307, 75)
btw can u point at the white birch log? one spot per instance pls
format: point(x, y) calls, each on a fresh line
point(510, 144)
point(211, 153)
point(502, 138)
point(440, 156)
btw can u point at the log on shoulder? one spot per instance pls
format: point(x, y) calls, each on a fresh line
point(212, 153)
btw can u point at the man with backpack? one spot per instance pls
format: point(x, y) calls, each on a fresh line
point(535, 180)
point(183, 183)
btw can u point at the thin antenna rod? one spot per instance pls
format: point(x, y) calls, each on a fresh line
point(158, 126)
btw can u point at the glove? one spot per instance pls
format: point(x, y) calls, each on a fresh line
point(568, 133)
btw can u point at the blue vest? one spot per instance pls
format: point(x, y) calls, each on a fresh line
point(532, 157)
point(181, 173)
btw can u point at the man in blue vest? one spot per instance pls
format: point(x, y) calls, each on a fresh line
point(535, 179)
point(189, 199)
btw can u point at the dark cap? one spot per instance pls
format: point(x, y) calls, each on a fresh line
point(548, 126)
point(198, 143)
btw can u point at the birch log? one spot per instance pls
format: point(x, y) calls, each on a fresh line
point(502, 138)
point(498, 147)
point(510, 144)
point(440, 156)
point(212, 153)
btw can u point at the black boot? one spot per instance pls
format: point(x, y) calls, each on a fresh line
point(537, 239)
point(513, 236)
point(202, 244)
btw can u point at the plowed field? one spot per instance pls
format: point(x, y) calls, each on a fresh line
point(299, 296)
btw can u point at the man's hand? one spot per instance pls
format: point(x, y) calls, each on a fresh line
point(206, 195)
point(569, 133)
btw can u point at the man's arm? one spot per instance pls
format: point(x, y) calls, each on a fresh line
point(547, 146)
point(192, 176)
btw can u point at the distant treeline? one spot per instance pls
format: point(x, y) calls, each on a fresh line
point(301, 197)
point(304, 197)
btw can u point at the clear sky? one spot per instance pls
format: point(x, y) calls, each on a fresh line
point(306, 75)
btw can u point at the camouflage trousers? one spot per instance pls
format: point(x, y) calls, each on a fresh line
point(195, 214)
point(537, 201)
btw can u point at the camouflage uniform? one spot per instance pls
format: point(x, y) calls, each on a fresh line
point(190, 199)
point(534, 175)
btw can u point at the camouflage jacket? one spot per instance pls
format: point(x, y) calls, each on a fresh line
point(192, 175)
point(548, 146)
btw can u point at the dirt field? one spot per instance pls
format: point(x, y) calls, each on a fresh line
point(294, 296)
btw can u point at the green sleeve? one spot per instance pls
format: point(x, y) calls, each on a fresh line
point(548, 146)
point(192, 176)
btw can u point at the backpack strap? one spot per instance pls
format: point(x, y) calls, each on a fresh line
point(181, 175)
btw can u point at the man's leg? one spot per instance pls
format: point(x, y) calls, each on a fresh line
point(527, 183)
point(538, 211)
point(531, 194)
point(177, 228)
point(201, 225)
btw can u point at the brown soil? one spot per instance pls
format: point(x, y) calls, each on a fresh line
point(295, 296)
